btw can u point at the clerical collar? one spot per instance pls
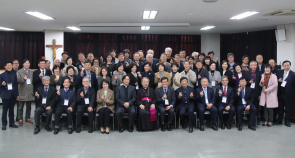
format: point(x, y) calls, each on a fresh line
point(125, 86)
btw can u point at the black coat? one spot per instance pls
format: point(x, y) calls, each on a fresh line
point(60, 99)
point(133, 79)
point(257, 89)
point(50, 99)
point(185, 99)
point(249, 98)
point(229, 96)
point(37, 81)
point(121, 96)
point(170, 96)
point(203, 73)
point(90, 95)
point(290, 85)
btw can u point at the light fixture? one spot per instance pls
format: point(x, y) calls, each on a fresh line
point(145, 27)
point(207, 27)
point(149, 14)
point(244, 15)
point(40, 15)
point(74, 28)
point(7, 29)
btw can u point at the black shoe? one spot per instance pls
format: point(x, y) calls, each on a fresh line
point(70, 130)
point(56, 130)
point(169, 127)
point(240, 127)
point(121, 130)
point(47, 128)
point(222, 126)
point(90, 130)
point(130, 130)
point(228, 126)
point(269, 125)
point(264, 124)
point(3, 128)
point(252, 128)
point(37, 130)
point(183, 126)
point(202, 128)
point(13, 126)
point(288, 124)
point(78, 130)
point(163, 128)
point(278, 123)
point(107, 132)
point(214, 127)
point(190, 130)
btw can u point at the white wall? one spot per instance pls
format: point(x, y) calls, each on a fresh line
point(211, 42)
point(286, 49)
point(59, 37)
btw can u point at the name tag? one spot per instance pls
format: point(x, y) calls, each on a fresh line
point(44, 100)
point(213, 83)
point(121, 84)
point(83, 68)
point(284, 83)
point(159, 83)
point(166, 102)
point(224, 99)
point(90, 84)
point(9, 86)
point(66, 102)
point(243, 101)
point(253, 85)
point(197, 83)
point(137, 87)
point(86, 100)
point(28, 81)
point(207, 101)
point(57, 88)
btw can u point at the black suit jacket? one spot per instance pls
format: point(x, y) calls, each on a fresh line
point(72, 99)
point(203, 73)
point(229, 96)
point(249, 98)
point(77, 66)
point(150, 75)
point(121, 95)
point(201, 100)
point(90, 96)
point(185, 99)
point(229, 75)
point(5, 93)
point(154, 67)
point(37, 81)
point(50, 99)
point(133, 79)
point(93, 80)
point(180, 68)
point(170, 96)
point(290, 85)
point(257, 89)
point(262, 69)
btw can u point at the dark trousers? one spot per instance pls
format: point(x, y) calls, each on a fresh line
point(58, 113)
point(256, 103)
point(201, 110)
point(231, 111)
point(285, 105)
point(8, 104)
point(186, 109)
point(38, 113)
point(162, 110)
point(104, 117)
point(119, 114)
point(20, 110)
point(253, 111)
point(16, 118)
point(80, 111)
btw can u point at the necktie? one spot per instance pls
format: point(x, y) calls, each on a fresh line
point(184, 91)
point(224, 91)
point(43, 73)
point(285, 75)
point(205, 93)
point(165, 90)
point(45, 92)
point(243, 96)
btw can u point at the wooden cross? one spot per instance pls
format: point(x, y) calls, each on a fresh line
point(54, 47)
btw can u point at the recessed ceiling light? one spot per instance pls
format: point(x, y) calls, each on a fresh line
point(243, 15)
point(149, 14)
point(40, 15)
point(7, 29)
point(145, 27)
point(74, 28)
point(207, 27)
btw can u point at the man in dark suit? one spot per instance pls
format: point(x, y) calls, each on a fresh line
point(38, 74)
point(15, 68)
point(89, 74)
point(205, 100)
point(253, 78)
point(153, 65)
point(274, 67)
point(286, 78)
point(200, 73)
point(260, 65)
point(66, 102)
point(185, 103)
point(9, 94)
point(224, 96)
point(165, 96)
point(244, 99)
point(85, 103)
point(122, 61)
point(80, 64)
point(45, 103)
point(178, 61)
point(154, 60)
point(125, 97)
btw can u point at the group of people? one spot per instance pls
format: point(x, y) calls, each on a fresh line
point(147, 89)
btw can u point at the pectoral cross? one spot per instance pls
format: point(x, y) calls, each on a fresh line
point(54, 47)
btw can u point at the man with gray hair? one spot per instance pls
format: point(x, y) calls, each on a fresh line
point(168, 52)
point(80, 64)
point(163, 60)
point(149, 58)
point(150, 51)
point(45, 99)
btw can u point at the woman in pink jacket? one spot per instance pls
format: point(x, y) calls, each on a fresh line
point(268, 99)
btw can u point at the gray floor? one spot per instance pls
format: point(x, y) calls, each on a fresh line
point(273, 142)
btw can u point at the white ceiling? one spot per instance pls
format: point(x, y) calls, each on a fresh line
point(73, 12)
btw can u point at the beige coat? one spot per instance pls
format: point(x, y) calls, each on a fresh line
point(26, 91)
point(165, 74)
point(101, 102)
point(176, 82)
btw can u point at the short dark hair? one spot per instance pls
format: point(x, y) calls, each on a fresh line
point(164, 78)
point(68, 59)
point(160, 64)
point(267, 66)
point(126, 51)
point(120, 54)
point(41, 60)
point(132, 65)
point(207, 57)
point(146, 63)
point(105, 81)
point(259, 54)
point(202, 54)
point(87, 62)
point(245, 56)
point(199, 61)
point(124, 77)
point(211, 52)
point(286, 61)
point(175, 64)
point(191, 57)
point(70, 67)
point(15, 60)
point(242, 78)
point(55, 67)
point(183, 78)
point(105, 69)
point(225, 61)
point(236, 65)
point(64, 53)
point(66, 78)
point(113, 50)
point(119, 65)
point(8, 61)
point(25, 60)
point(96, 59)
point(230, 54)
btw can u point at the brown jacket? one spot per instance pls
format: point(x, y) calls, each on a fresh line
point(165, 74)
point(101, 102)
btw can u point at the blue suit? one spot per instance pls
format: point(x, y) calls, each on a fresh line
point(229, 102)
point(185, 104)
point(202, 106)
point(8, 96)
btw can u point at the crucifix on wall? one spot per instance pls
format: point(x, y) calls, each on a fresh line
point(54, 47)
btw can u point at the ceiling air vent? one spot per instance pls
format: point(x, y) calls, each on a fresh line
point(283, 12)
point(209, 1)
